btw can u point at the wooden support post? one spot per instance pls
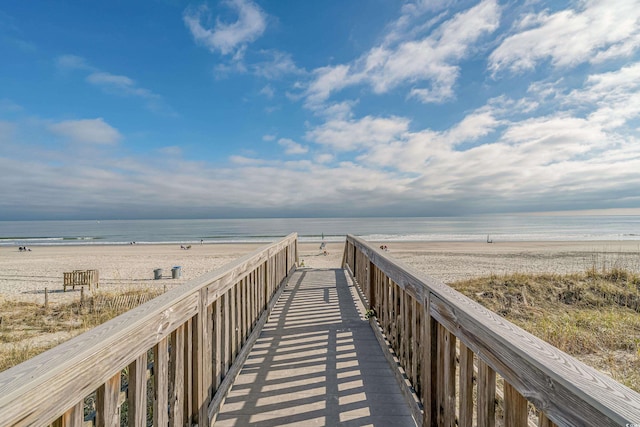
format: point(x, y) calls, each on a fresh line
point(176, 404)
point(543, 421)
point(415, 353)
point(429, 365)
point(188, 373)
point(449, 369)
point(233, 324)
point(486, 395)
point(466, 386)
point(515, 407)
point(372, 286)
point(161, 383)
point(107, 399)
point(218, 343)
point(440, 396)
point(74, 416)
point(137, 394)
point(227, 335)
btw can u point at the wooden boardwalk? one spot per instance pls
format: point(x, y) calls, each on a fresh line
point(316, 363)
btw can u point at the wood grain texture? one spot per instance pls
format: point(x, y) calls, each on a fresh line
point(543, 421)
point(218, 358)
point(63, 376)
point(188, 373)
point(74, 417)
point(137, 392)
point(176, 396)
point(515, 407)
point(449, 368)
point(161, 383)
point(566, 390)
point(107, 403)
point(466, 387)
point(429, 364)
point(440, 373)
point(234, 369)
point(415, 351)
point(486, 395)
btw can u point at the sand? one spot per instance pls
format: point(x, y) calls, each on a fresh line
point(25, 275)
point(457, 261)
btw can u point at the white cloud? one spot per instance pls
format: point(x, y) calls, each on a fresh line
point(115, 84)
point(6, 130)
point(328, 79)
point(120, 84)
point(243, 160)
point(432, 60)
point(349, 135)
point(268, 137)
point(292, 147)
point(280, 64)
point(91, 131)
point(473, 126)
point(337, 111)
point(267, 91)
point(324, 158)
point(553, 159)
point(227, 38)
point(172, 151)
point(615, 96)
point(72, 62)
point(7, 105)
point(102, 78)
point(594, 32)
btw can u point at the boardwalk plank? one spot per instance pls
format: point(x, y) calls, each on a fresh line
point(317, 362)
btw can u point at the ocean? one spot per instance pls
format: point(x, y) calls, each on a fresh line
point(190, 231)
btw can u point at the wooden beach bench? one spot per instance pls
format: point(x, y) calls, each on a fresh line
point(80, 278)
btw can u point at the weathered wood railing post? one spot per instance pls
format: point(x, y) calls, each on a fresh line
point(198, 335)
point(437, 334)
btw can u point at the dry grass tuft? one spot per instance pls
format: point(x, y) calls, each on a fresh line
point(27, 329)
point(594, 316)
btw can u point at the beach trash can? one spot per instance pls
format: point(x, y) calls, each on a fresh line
point(175, 272)
point(157, 273)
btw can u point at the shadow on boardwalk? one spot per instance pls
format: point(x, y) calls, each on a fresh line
point(317, 362)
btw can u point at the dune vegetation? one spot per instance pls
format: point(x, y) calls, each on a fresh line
point(27, 328)
point(594, 316)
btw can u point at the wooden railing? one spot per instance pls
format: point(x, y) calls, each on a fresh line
point(183, 343)
point(466, 363)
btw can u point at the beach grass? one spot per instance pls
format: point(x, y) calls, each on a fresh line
point(594, 316)
point(27, 328)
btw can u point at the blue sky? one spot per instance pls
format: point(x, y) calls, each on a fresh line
point(149, 109)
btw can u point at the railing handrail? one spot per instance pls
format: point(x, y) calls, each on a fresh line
point(77, 362)
point(563, 387)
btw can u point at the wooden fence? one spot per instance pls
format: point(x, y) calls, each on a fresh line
point(190, 336)
point(80, 278)
point(461, 359)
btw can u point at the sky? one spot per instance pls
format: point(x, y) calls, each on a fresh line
point(238, 108)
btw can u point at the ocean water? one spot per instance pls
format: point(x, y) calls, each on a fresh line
point(472, 228)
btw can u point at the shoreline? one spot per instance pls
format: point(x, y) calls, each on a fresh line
point(25, 275)
point(480, 241)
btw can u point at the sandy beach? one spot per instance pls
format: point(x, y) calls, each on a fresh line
point(25, 275)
